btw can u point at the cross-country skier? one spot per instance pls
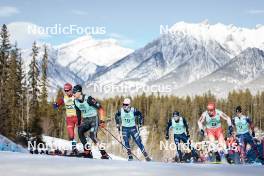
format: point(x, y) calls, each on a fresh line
point(234, 149)
point(181, 132)
point(87, 109)
point(71, 117)
point(126, 118)
point(212, 119)
point(243, 125)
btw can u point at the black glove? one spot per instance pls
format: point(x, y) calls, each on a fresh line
point(167, 137)
point(253, 134)
point(230, 130)
point(118, 128)
point(201, 133)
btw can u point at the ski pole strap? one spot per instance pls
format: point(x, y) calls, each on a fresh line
point(119, 141)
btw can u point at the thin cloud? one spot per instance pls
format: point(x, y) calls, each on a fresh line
point(6, 11)
point(79, 12)
point(19, 32)
point(254, 12)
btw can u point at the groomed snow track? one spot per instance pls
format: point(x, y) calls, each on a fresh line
point(20, 164)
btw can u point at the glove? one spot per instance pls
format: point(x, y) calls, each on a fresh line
point(102, 124)
point(55, 106)
point(140, 125)
point(201, 132)
point(167, 137)
point(118, 128)
point(253, 134)
point(230, 130)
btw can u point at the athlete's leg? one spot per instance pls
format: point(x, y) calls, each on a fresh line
point(220, 136)
point(74, 142)
point(211, 135)
point(135, 135)
point(186, 141)
point(242, 144)
point(249, 140)
point(84, 127)
point(177, 140)
point(126, 136)
point(93, 121)
point(70, 127)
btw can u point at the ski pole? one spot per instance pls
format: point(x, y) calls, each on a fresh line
point(120, 136)
point(119, 142)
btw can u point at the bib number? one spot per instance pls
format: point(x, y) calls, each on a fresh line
point(213, 124)
point(127, 120)
point(70, 107)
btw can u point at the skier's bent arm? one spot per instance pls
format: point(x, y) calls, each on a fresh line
point(59, 103)
point(201, 121)
point(79, 114)
point(227, 118)
point(118, 119)
point(251, 124)
point(138, 114)
point(92, 102)
point(186, 126)
point(168, 127)
point(101, 113)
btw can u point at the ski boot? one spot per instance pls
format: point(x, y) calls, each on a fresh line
point(88, 154)
point(104, 154)
point(130, 158)
point(129, 153)
point(74, 151)
point(147, 158)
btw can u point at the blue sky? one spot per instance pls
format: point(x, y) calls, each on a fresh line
point(134, 23)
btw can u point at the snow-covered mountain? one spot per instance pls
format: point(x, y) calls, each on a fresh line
point(185, 54)
point(85, 56)
point(233, 39)
point(77, 60)
point(244, 71)
point(57, 74)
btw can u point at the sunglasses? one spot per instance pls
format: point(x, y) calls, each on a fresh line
point(67, 90)
point(125, 104)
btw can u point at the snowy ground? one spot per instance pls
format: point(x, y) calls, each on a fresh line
point(21, 164)
point(54, 143)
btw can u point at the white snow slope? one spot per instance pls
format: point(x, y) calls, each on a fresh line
point(18, 164)
point(54, 143)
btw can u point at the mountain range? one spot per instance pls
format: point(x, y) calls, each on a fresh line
point(189, 58)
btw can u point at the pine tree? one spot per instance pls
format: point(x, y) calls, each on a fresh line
point(14, 93)
point(22, 92)
point(44, 84)
point(33, 74)
point(4, 57)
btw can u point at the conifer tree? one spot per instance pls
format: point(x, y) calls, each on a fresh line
point(34, 113)
point(5, 48)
